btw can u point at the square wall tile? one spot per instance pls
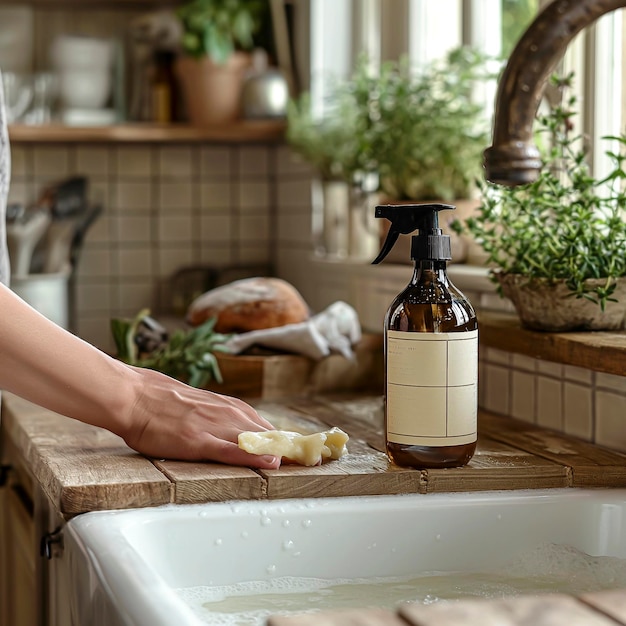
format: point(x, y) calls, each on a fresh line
point(254, 228)
point(549, 403)
point(216, 162)
point(493, 355)
point(549, 368)
point(51, 162)
point(135, 261)
point(217, 195)
point(133, 162)
point(175, 196)
point(253, 161)
point(21, 157)
point(93, 161)
point(218, 254)
point(134, 228)
point(95, 261)
point(578, 410)
point(577, 374)
point(610, 427)
point(611, 382)
point(294, 193)
point(133, 196)
point(254, 196)
point(176, 162)
point(254, 253)
point(93, 297)
point(523, 362)
point(295, 228)
point(175, 228)
point(523, 396)
point(172, 259)
point(497, 389)
point(136, 295)
point(214, 228)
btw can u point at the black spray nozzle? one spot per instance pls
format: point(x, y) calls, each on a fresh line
point(407, 218)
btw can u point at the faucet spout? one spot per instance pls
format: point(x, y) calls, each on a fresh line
point(513, 159)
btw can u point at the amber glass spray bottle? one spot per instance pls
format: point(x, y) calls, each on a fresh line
point(431, 350)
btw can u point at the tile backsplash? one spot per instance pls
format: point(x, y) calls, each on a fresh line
point(580, 402)
point(167, 207)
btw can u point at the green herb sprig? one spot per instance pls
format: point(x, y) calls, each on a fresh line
point(187, 355)
point(567, 225)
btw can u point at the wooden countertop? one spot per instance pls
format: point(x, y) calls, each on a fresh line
point(82, 468)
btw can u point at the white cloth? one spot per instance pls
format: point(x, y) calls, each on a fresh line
point(336, 329)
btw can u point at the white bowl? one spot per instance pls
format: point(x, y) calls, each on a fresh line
point(82, 53)
point(84, 89)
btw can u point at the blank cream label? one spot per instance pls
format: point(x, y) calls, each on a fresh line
point(432, 386)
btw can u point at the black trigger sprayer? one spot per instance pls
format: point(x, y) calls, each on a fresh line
point(431, 350)
point(430, 243)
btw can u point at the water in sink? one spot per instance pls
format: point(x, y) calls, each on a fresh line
point(136, 561)
point(549, 568)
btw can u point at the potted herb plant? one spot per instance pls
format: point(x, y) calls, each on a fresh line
point(420, 132)
point(424, 133)
point(557, 245)
point(215, 37)
point(333, 143)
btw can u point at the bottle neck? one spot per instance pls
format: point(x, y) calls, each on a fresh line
point(426, 269)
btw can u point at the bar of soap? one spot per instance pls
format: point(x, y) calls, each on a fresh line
point(303, 449)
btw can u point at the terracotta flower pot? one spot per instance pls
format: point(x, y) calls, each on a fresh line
point(546, 305)
point(212, 92)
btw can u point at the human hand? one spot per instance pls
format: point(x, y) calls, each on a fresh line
point(172, 420)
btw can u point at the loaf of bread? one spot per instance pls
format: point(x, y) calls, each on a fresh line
point(249, 304)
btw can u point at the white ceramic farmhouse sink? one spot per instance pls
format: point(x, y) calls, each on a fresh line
point(134, 567)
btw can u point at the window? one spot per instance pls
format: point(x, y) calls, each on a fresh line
point(424, 30)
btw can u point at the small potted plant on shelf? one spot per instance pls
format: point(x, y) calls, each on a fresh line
point(420, 132)
point(216, 35)
point(428, 134)
point(557, 245)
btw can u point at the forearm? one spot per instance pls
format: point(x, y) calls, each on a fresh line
point(155, 414)
point(49, 366)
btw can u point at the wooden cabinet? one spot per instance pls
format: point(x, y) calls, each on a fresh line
point(31, 585)
point(18, 549)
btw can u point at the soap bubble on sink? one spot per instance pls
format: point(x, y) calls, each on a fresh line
point(266, 521)
point(547, 568)
point(288, 544)
point(306, 523)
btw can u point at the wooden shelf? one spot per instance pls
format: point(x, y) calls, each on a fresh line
point(594, 350)
point(262, 131)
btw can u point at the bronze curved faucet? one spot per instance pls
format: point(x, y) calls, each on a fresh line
point(513, 159)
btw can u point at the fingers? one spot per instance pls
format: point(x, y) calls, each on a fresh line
point(231, 454)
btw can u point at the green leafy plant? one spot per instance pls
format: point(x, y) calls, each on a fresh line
point(334, 143)
point(427, 132)
point(565, 226)
point(419, 130)
point(187, 355)
point(215, 28)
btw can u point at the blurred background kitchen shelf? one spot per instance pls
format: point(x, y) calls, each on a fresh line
point(245, 131)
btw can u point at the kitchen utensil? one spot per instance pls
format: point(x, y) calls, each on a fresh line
point(23, 234)
point(265, 92)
